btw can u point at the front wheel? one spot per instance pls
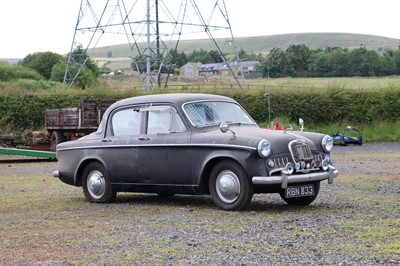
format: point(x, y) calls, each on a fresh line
point(301, 201)
point(229, 186)
point(96, 184)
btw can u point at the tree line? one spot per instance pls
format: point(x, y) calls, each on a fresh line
point(295, 61)
point(302, 61)
point(207, 57)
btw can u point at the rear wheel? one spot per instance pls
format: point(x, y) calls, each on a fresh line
point(57, 137)
point(229, 186)
point(301, 201)
point(96, 184)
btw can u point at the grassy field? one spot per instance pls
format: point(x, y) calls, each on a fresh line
point(352, 83)
point(122, 84)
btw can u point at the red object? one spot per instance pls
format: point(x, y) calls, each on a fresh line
point(276, 126)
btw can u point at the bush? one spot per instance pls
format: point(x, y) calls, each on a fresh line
point(42, 62)
point(85, 79)
point(9, 73)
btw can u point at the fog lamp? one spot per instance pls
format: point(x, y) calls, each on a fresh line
point(325, 165)
point(290, 168)
point(313, 164)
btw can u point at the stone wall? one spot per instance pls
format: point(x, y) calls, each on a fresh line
point(26, 140)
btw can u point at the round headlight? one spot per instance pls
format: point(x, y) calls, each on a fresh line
point(327, 143)
point(264, 148)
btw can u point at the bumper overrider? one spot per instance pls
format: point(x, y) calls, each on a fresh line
point(285, 178)
point(56, 173)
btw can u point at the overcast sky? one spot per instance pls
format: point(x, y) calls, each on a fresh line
point(48, 25)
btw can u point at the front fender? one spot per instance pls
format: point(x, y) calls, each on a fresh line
point(251, 163)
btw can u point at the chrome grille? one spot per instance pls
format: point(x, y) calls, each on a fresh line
point(281, 161)
point(301, 151)
point(301, 156)
point(318, 157)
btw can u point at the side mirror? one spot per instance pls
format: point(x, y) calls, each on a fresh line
point(301, 123)
point(224, 127)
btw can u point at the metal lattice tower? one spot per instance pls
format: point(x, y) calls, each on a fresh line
point(151, 28)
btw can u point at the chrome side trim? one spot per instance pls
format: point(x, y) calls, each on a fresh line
point(79, 148)
point(284, 179)
point(221, 146)
point(163, 145)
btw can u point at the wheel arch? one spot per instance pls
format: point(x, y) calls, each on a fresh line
point(81, 168)
point(205, 176)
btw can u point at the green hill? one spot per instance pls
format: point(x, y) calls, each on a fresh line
point(263, 44)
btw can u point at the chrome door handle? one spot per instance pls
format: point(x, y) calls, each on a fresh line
point(144, 138)
point(106, 140)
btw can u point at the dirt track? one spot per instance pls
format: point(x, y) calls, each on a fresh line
point(355, 221)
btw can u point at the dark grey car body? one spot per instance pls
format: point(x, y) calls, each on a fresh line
point(230, 160)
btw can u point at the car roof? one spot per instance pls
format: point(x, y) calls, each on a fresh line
point(176, 98)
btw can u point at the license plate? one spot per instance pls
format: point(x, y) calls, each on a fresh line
point(300, 191)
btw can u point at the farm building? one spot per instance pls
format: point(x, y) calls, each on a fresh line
point(193, 70)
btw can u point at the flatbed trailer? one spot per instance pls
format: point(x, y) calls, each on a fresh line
point(65, 124)
point(32, 153)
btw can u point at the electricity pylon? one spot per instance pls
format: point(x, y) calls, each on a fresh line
point(151, 28)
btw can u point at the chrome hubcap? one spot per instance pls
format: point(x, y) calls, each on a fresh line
point(96, 184)
point(228, 186)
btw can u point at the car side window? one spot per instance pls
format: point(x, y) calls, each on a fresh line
point(163, 120)
point(126, 122)
point(203, 113)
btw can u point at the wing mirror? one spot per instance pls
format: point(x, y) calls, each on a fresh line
point(224, 127)
point(301, 123)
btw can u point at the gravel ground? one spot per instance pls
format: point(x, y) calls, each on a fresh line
point(361, 160)
point(355, 221)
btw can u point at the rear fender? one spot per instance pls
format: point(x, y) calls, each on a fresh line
point(82, 165)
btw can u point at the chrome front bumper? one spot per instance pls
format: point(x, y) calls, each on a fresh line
point(284, 179)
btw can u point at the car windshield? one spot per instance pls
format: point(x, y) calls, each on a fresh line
point(214, 112)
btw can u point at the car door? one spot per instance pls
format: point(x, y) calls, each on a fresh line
point(119, 147)
point(164, 154)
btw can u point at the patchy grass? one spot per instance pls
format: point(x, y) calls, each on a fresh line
point(44, 221)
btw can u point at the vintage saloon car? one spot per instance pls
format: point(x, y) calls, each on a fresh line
point(194, 144)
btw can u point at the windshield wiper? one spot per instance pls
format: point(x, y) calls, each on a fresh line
point(233, 123)
point(210, 124)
